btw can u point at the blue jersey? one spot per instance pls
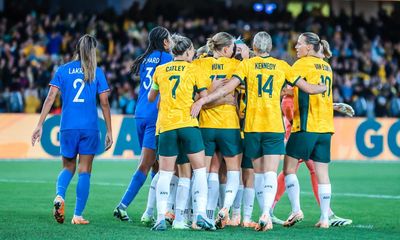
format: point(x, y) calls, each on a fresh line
point(144, 108)
point(79, 109)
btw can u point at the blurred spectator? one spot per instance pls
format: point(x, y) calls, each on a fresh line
point(366, 59)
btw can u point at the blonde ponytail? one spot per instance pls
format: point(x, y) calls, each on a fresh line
point(86, 53)
point(326, 49)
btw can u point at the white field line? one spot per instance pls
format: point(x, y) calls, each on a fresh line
point(357, 195)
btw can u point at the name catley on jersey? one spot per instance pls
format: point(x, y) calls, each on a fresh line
point(177, 82)
point(264, 78)
point(313, 113)
point(223, 116)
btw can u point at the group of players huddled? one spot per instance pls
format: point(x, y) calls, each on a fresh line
point(217, 121)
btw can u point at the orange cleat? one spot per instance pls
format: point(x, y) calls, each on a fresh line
point(79, 221)
point(249, 224)
point(222, 218)
point(264, 224)
point(170, 217)
point(234, 221)
point(294, 218)
point(58, 210)
point(322, 224)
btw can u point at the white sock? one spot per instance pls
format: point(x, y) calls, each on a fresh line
point(293, 191)
point(162, 193)
point(271, 182)
point(182, 195)
point(151, 198)
point(237, 203)
point(193, 203)
point(232, 185)
point(259, 189)
point(248, 201)
point(200, 190)
point(172, 193)
point(221, 197)
point(213, 194)
point(324, 193)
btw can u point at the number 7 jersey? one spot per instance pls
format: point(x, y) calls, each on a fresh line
point(176, 82)
point(313, 113)
point(264, 78)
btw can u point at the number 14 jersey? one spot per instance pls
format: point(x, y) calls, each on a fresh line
point(264, 78)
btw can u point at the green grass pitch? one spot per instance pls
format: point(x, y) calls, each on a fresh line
point(367, 192)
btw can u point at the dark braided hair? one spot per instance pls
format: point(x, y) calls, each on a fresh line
point(156, 42)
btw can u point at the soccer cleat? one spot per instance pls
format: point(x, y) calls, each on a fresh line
point(58, 210)
point(276, 220)
point(249, 224)
point(79, 221)
point(180, 225)
point(160, 226)
point(147, 220)
point(234, 221)
point(121, 214)
point(294, 218)
point(322, 224)
point(203, 223)
point(264, 224)
point(335, 221)
point(170, 217)
point(222, 218)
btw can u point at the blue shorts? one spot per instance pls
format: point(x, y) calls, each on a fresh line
point(73, 142)
point(146, 129)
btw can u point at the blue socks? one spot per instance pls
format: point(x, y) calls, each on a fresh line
point(82, 193)
point(136, 183)
point(63, 180)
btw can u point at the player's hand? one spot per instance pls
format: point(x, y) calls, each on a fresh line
point(196, 107)
point(109, 141)
point(36, 135)
point(344, 108)
point(324, 87)
point(230, 99)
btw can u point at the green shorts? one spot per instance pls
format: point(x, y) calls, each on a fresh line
point(157, 153)
point(189, 138)
point(246, 161)
point(307, 145)
point(228, 141)
point(182, 156)
point(264, 143)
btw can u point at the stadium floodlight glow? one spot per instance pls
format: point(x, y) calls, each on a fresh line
point(270, 7)
point(258, 7)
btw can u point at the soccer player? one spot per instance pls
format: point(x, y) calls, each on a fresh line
point(220, 126)
point(176, 81)
point(264, 77)
point(287, 108)
point(157, 53)
point(79, 82)
point(312, 129)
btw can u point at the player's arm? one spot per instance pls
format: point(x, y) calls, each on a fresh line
point(227, 100)
point(219, 93)
point(343, 108)
point(48, 103)
point(105, 108)
point(310, 88)
point(152, 96)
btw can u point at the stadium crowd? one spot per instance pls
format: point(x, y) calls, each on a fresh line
point(366, 54)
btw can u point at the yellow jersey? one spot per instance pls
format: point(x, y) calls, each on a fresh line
point(264, 78)
point(313, 113)
point(223, 116)
point(176, 82)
